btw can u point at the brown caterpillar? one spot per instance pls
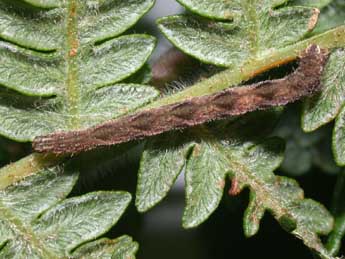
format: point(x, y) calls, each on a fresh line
point(304, 81)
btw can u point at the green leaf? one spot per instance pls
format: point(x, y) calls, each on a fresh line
point(64, 67)
point(224, 9)
point(338, 210)
point(49, 187)
point(338, 138)
point(256, 29)
point(72, 222)
point(234, 149)
point(304, 150)
point(328, 105)
point(44, 3)
point(29, 27)
point(161, 163)
point(143, 76)
point(29, 72)
point(115, 59)
point(204, 183)
point(45, 29)
point(331, 16)
point(70, 54)
point(120, 248)
point(324, 107)
point(313, 3)
point(36, 221)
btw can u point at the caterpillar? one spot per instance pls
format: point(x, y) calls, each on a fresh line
point(304, 81)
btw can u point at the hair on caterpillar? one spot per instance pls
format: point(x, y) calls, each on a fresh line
point(175, 86)
point(191, 77)
point(175, 71)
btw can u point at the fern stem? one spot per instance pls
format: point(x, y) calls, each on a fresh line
point(72, 49)
point(25, 232)
point(230, 77)
point(27, 166)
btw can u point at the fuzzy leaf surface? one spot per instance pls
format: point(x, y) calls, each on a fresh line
point(238, 32)
point(313, 3)
point(332, 15)
point(255, 29)
point(155, 182)
point(234, 149)
point(63, 64)
point(328, 105)
point(38, 222)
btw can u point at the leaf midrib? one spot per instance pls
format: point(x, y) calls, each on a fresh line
point(245, 176)
point(25, 231)
point(251, 25)
point(262, 193)
point(73, 95)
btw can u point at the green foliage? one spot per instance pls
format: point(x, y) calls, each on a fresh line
point(66, 66)
point(331, 16)
point(256, 29)
point(36, 221)
point(72, 54)
point(313, 3)
point(304, 151)
point(234, 149)
point(62, 67)
point(327, 106)
point(338, 210)
point(208, 156)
